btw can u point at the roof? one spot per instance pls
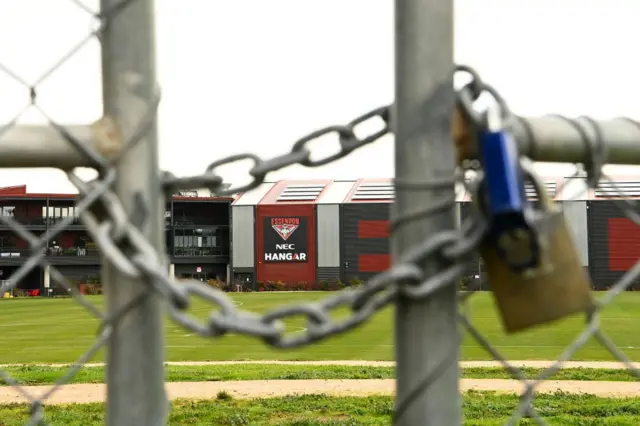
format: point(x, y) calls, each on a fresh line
point(20, 191)
point(383, 191)
point(295, 192)
point(324, 191)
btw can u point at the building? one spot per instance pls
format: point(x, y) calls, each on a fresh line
point(302, 231)
point(197, 237)
point(307, 231)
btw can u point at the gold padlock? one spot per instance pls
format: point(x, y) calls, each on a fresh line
point(557, 288)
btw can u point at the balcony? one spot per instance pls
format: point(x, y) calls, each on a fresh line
point(25, 212)
point(14, 255)
point(195, 243)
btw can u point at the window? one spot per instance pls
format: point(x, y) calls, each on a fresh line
point(60, 212)
point(7, 210)
point(198, 242)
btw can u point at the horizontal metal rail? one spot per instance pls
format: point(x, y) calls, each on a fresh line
point(46, 146)
point(547, 139)
point(564, 140)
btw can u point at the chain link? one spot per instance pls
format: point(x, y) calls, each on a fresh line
point(300, 154)
point(127, 249)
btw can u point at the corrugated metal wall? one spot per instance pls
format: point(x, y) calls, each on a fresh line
point(328, 242)
point(614, 243)
point(575, 213)
point(365, 239)
point(243, 236)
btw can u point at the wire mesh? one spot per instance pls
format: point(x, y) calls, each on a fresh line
point(129, 250)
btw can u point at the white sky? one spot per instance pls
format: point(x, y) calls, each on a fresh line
point(253, 75)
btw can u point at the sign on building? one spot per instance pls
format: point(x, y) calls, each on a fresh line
point(285, 239)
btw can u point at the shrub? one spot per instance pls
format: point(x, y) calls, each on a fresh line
point(355, 282)
point(92, 289)
point(18, 292)
point(93, 279)
point(463, 284)
point(300, 286)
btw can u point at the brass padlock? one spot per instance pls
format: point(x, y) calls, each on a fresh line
point(556, 288)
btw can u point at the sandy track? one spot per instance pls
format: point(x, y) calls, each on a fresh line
point(465, 364)
point(85, 393)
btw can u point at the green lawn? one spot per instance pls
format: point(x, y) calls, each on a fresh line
point(59, 330)
point(480, 409)
point(44, 375)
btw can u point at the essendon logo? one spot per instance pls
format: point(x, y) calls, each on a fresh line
point(285, 226)
point(285, 239)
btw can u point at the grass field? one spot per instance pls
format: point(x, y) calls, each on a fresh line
point(44, 375)
point(480, 409)
point(59, 330)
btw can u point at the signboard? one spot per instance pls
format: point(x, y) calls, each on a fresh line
point(285, 239)
point(198, 269)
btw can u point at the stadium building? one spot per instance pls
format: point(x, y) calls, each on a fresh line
point(303, 231)
point(340, 229)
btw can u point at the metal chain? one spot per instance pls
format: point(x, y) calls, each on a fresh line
point(300, 154)
point(128, 250)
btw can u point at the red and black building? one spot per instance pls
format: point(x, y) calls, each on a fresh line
point(197, 237)
point(345, 226)
point(614, 238)
point(304, 231)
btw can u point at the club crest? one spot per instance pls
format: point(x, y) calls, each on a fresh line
point(285, 230)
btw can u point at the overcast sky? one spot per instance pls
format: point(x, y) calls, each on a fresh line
point(253, 75)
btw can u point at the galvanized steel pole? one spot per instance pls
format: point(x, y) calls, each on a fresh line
point(135, 372)
point(553, 139)
point(426, 331)
point(564, 140)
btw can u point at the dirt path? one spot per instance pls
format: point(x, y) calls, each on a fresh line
point(464, 364)
point(85, 393)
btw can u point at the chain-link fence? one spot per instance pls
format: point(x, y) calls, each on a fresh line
point(122, 210)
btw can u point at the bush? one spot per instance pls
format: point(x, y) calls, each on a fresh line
point(355, 282)
point(93, 289)
point(300, 286)
point(18, 292)
point(220, 285)
point(464, 283)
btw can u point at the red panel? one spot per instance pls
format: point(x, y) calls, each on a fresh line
point(14, 190)
point(374, 262)
point(373, 229)
point(286, 272)
point(624, 244)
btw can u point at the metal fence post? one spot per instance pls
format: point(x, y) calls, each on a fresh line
point(426, 331)
point(135, 374)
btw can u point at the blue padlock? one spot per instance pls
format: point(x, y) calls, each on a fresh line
point(506, 202)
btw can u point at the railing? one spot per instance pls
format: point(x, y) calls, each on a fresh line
point(197, 221)
point(73, 251)
point(200, 251)
point(54, 220)
point(33, 221)
point(13, 253)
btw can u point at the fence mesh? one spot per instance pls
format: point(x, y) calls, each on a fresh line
point(124, 246)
